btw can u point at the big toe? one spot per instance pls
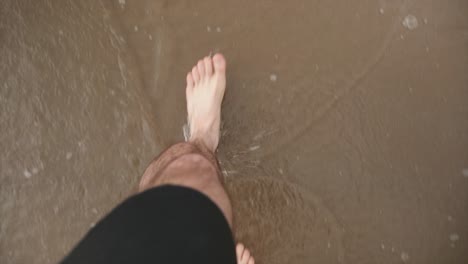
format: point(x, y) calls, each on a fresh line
point(239, 250)
point(219, 63)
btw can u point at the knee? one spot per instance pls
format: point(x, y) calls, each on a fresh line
point(193, 167)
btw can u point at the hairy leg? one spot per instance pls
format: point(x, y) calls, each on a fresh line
point(193, 164)
point(189, 164)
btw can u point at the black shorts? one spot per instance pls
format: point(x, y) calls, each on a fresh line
point(167, 224)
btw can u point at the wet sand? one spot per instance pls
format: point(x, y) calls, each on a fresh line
point(345, 134)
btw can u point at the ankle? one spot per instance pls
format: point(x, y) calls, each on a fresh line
point(204, 141)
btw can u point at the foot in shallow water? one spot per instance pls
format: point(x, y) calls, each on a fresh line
point(243, 255)
point(206, 84)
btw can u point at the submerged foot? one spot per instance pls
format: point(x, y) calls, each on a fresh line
point(205, 90)
point(243, 255)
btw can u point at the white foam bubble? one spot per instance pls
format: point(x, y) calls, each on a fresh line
point(253, 148)
point(27, 174)
point(273, 77)
point(410, 22)
point(454, 237)
point(465, 173)
point(404, 256)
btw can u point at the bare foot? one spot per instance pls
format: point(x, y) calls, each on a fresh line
point(243, 255)
point(205, 90)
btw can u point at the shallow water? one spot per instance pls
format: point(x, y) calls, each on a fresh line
point(345, 134)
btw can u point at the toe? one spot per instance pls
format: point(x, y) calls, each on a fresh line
point(219, 63)
point(195, 75)
point(239, 250)
point(201, 69)
point(208, 66)
point(245, 256)
point(251, 261)
point(190, 82)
